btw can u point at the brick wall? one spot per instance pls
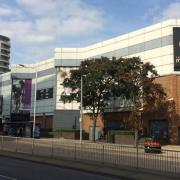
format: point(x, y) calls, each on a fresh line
point(88, 122)
point(45, 121)
point(171, 85)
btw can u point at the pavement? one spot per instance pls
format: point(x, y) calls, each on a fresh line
point(171, 147)
point(121, 172)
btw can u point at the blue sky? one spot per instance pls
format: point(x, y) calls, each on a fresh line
point(36, 27)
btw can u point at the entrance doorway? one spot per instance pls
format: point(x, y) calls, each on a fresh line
point(178, 135)
point(97, 133)
point(159, 130)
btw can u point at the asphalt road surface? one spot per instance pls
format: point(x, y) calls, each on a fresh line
point(14, 169)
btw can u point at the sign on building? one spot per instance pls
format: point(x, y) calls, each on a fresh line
point(176, 43)
point(44, 93)
point(1, 104)
point(21, 95)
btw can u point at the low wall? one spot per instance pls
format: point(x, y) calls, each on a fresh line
point(124, 139)
point(67, 135)
point(70, 135)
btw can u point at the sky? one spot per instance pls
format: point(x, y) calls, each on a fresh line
point(37, 27)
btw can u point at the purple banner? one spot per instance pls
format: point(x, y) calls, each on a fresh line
point(21, 95)
point(27, 94)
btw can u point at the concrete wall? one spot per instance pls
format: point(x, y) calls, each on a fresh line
point(66, 119)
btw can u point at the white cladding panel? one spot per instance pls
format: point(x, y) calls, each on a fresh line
point(46, 78)
point(157, 39)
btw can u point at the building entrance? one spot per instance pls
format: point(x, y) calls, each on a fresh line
point(159, 130)
point(178, 135)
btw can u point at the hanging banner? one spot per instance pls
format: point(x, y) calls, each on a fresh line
point(1, 104)
point(21, 95)
point(176, 44)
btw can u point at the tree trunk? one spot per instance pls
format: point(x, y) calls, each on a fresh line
point(94, 128)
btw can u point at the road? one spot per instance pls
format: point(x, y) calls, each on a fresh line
point(14, 169)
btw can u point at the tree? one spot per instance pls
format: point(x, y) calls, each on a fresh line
point(123, 77)
point(136, 81)
point(97, 75)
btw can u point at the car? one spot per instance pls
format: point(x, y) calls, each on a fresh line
point(152, 145)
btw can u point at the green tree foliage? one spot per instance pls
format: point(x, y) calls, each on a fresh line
point(104, 79)
point(136, 82)
point(97, 84)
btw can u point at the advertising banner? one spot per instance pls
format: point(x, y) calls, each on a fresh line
point(1, 104)
point(44, 93)
point(21, 95)
point(176, 43)
point(64, 72)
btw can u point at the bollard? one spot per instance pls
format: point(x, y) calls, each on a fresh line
point(52, 150)
point(16, 144)
point(33, 147)
point(75, 152)
point(2, 142)
point(103, 154)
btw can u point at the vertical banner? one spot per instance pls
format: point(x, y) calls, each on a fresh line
point(176, 44)
point(1, 104)
point(64, 72)
point(27, 94)
point(21, 95)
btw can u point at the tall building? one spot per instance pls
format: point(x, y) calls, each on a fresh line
point(4, 54)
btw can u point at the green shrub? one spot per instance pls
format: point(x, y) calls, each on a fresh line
point(67, 130)
point(46, 129)
point(45, 132)
point(120, 132)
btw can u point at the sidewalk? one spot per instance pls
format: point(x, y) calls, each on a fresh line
point(102, 169)
point(171, 147)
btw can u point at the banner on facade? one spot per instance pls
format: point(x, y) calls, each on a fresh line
point(62, 73)
point(44, 94)
point(21, 95)
point(1, 104)
point(176, 43)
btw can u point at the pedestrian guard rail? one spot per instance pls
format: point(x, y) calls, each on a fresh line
point(104, 153)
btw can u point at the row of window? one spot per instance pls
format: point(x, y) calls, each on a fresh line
point(6, 46)
point(3, 38)
point(3, 51)
point(2, 57)
point(3, 63)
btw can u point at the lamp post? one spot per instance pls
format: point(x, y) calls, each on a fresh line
point(35, 94)
point(81, 110)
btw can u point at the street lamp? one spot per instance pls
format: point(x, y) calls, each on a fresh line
point(35, 94)
point(81, 110)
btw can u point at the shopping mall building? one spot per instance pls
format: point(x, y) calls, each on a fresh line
point(158, 44)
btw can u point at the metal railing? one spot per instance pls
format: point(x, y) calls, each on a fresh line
point(167, 160)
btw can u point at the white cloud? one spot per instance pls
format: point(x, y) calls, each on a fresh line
point(9, 11)
point(151, 12)
point(32, 23)
point(171, 12)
